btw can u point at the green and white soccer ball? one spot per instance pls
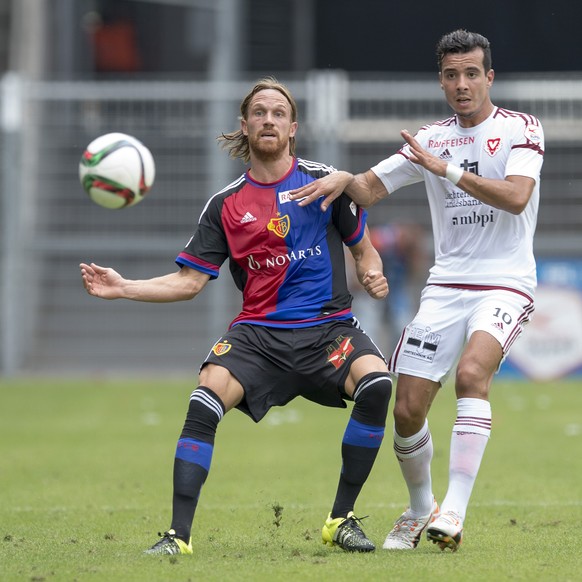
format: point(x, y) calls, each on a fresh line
point(117, 170)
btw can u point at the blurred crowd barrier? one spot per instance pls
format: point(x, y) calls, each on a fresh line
point(551, 346)
point(49, 325)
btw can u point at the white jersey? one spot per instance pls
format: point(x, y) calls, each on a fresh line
point(477, 244)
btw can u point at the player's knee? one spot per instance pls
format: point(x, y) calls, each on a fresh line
point(371, 398)
point(472, 380)
point(409, 417)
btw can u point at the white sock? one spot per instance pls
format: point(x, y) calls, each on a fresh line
point(415, 454)
point(468, 441)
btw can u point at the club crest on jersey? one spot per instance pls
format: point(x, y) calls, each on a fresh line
point(220, 348)
point(279, 226)
point(492, 146)
point(339, 350)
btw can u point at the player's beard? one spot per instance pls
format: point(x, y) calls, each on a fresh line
point(268, 151)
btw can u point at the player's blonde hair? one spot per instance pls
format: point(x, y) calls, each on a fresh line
point(236, 143)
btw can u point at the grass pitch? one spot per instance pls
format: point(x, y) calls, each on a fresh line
point(85, 485)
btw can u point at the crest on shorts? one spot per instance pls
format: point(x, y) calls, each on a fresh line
point(280, 226)
point(421, 344)
point(339, 350)
point(220, 348)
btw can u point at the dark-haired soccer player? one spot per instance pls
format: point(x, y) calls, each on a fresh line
point(481, 168)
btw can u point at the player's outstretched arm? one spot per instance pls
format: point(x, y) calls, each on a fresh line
point(364, 189)
point(329, 187)
point(101, 281)
point(106, 283)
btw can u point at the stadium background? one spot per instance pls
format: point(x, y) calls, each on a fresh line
point(172, 73)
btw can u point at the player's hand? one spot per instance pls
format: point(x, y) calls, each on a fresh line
point(375, 284)
point(420, 156)
point(329, 187)
point(101, 282)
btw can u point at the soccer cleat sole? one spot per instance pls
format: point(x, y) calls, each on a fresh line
point(444, 541)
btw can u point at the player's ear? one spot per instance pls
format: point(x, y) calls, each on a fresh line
point(293, 129)
point(490, 77)
point(243, 126)
point(441, 80)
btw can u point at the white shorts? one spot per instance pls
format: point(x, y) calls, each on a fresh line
point(431, 344)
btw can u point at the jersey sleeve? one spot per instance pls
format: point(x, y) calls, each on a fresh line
point(349, 219)
point(527, 149)
point(207, 249)
point(397, 170)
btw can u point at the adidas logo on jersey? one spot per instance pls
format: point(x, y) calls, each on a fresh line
point(446, 155)
point(248, 217)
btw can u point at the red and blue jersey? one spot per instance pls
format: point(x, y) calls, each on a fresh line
point(287, 260)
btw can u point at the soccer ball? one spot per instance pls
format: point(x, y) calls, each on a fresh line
point(116, 170)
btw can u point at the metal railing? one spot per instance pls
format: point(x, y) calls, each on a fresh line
point(50, 326)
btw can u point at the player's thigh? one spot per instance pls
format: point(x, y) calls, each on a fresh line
point(223, 384)
point(242, 367)
point(477, 366)
point(331, 358)
point(414, 397)
point(503, 315)
point(431, 344)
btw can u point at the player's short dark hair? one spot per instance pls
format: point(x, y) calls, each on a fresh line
point(463, 41)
